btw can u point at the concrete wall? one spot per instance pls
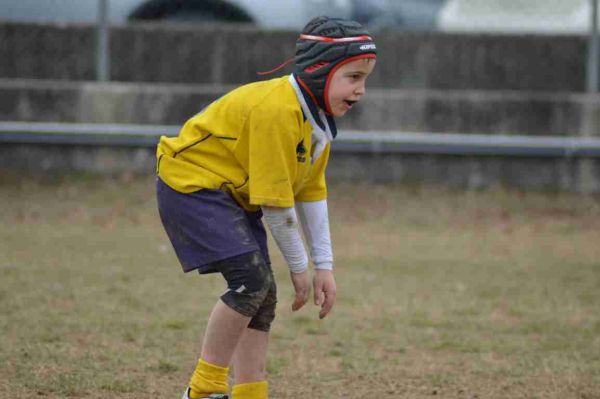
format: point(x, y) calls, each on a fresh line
point(417, 110)
point(61, 101)
point(457, 172)
point(226, 55)
point(458, 111)
point(470, 172)
point(423, 82)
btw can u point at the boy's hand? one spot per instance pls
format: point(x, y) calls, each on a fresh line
point(324, 285)
point(301, 282)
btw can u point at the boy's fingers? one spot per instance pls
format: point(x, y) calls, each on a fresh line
point(296, 305)
point(299, 301)
point(301, 284)
point(319, 297)
point(327, 304)
point(318, 294)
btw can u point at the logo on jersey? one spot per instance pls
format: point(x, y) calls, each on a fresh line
point(370, 46)
point(301, 152)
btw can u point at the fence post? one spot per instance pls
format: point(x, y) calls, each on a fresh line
point(593, 51)
point(102, 43)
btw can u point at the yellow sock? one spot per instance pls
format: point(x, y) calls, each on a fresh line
point(208, 378)
point(251, 390)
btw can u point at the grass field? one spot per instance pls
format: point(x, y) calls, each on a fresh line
point(451, 295)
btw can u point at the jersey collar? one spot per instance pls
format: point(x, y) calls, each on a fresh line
point(321, 122)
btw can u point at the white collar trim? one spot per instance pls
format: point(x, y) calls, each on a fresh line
point(309, 115)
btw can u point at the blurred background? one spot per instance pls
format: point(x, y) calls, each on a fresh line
point(463, 194)
point(467, 93)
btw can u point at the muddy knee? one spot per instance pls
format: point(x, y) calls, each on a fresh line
point(249, 280)
point(265, 315)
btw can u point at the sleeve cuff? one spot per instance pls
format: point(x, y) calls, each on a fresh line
point(324, 266)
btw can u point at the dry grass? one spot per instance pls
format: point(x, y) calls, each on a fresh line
point(454, 295)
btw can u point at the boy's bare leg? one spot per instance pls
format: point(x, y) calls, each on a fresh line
point(225, 327)
point(223, 332)
point(250, 357)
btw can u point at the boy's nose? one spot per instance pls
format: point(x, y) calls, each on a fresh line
point(360, 89)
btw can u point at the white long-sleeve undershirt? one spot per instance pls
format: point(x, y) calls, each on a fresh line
point(283, 224)
point(315, 223)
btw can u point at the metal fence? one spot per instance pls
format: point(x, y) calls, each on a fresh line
point(347, 141)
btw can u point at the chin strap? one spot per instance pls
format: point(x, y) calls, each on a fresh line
point(277, 68)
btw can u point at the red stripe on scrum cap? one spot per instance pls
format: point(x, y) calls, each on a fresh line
point(336, 39)
point(316, 67)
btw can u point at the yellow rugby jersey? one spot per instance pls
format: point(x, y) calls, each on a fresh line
point(254, 142)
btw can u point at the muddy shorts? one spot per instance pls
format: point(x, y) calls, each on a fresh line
point(207, 226)
point(211, 233)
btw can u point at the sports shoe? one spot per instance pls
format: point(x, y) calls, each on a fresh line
point(186, 395)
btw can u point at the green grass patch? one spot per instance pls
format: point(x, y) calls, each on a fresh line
point(476, 294)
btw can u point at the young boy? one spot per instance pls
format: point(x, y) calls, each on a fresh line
point(261, 149)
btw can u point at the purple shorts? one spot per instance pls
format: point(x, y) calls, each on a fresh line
point(208, 226)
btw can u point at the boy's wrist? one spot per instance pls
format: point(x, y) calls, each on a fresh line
point(297, 269)
point(324, 266)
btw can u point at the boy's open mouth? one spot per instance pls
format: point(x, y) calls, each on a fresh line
point(350, 102)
